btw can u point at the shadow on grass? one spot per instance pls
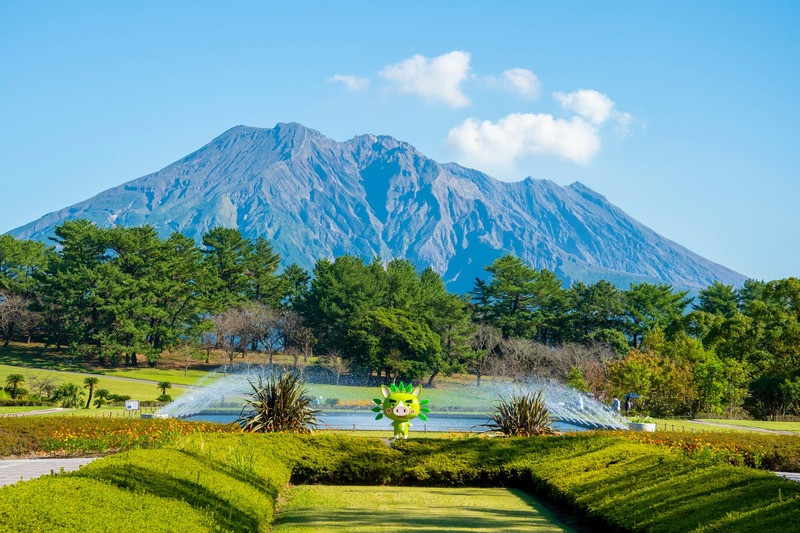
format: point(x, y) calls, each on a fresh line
point(37, 356)
point(142, 480)
point(238, 474)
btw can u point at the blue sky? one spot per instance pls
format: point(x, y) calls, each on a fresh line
point(683, 114)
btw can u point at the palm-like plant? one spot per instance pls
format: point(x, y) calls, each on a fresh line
point(164, 385)
point(13, 381)
point(522, 415)
point(90, 383)
point(68, 395)
point(101, 397)
point(278, 404)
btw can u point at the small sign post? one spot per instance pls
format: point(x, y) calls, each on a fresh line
point(131, 405)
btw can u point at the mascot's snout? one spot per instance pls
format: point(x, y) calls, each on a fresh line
point(401, 410)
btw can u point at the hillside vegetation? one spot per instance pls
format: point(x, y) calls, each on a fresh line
point(115, 298)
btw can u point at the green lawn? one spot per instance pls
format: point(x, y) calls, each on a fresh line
point(137, 391)
point(6, 409)
point(36, 356)
point(761, 424)
point(373, 509)
point(176, 377)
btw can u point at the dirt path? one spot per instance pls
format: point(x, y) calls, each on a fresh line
point(734, 426)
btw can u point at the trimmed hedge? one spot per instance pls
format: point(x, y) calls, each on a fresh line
point(231, 481)
point(615, 483)
point(621, 485)
point(14, 402)
point(237, 499)
point(63, 503)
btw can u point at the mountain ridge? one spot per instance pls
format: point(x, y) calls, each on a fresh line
point(374, 195)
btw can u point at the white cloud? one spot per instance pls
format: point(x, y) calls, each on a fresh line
point(588, 103)
point(519, 80)
point(437, 79)
point(596, 107)
point(353, 83)
point(501, 143)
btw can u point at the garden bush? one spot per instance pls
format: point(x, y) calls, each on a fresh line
point(64, 503)
point(11, 402)
point(233, 497)
point(231, 481)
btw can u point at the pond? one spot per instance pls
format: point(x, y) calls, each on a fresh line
point(364, 420)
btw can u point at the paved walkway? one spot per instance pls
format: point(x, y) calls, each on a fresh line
point(794, 476)
point(13, 470)
point(35, 412)
point(746, 428)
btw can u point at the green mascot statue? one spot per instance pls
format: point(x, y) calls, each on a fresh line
point(401, 403)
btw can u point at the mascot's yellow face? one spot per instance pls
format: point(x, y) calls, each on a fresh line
point(401, 403)
point(401, 406)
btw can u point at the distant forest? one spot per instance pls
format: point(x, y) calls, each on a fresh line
point(122, 296)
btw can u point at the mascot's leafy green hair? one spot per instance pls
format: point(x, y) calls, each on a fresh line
point(401, 403)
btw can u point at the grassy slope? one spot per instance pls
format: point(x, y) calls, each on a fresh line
point(137, 391)
point(367, 509)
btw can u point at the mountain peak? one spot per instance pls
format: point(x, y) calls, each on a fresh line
point(374, 195)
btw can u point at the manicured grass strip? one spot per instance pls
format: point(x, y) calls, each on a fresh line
point(391, 509)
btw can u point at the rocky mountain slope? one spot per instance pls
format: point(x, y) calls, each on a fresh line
point(374, 195)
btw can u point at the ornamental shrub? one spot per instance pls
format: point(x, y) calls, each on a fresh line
point(230, 481)
point(65, 503)
point(233, 503)
point(279, 403)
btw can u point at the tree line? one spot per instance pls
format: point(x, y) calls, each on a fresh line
point(121, 294)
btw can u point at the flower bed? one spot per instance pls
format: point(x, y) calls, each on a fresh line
point(770, 452)
point(65, 435)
